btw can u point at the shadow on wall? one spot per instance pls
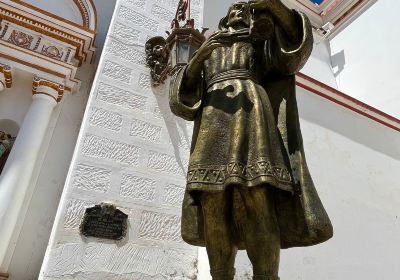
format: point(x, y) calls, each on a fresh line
point(338, 61)
point(178, 129)
point(349, 124)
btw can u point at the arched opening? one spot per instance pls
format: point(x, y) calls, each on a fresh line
point(81, 12)
point(8, 133)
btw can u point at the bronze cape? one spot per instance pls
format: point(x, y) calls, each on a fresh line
point(247, 133)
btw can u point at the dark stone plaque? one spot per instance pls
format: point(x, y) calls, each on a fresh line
point(104, 221)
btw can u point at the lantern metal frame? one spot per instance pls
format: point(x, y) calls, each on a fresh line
point(172, 57)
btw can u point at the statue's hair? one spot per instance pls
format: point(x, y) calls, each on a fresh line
point(223, 23)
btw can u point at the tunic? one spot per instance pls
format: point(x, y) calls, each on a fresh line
point(236, 139)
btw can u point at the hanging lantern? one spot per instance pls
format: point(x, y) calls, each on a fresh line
point(177, 49)
point(182, 43)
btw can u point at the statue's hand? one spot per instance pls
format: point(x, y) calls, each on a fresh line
point(195, 65)
point(275, 7)
point(264, 4)
point(282, 15)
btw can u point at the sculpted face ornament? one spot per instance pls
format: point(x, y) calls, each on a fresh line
point(248, 184)
point(157, 54)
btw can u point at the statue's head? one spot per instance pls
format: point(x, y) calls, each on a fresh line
point(155, 46)
point(238, 16)
point(156, 51)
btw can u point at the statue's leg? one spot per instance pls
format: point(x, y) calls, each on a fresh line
point(218, 236)
point(261, 232)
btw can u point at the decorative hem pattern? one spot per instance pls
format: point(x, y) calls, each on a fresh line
point(222, 174)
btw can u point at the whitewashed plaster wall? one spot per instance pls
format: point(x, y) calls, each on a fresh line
point(366, 57)
point(353, 161)
point(319, 65)
point(131, 152)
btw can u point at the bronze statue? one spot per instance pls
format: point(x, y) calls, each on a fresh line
point(248, 185)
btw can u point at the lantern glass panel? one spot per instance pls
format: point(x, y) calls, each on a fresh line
point(184, 52)
point(173, 55)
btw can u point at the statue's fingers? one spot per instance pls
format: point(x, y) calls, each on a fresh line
point(207, 52)
point(211, 43)
point(216, 34)
point(222, 35)
point(215, 45)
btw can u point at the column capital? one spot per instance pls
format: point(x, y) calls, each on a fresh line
point(49, 88)
point(5, 77)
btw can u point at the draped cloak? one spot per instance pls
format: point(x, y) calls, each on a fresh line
point(247, 134)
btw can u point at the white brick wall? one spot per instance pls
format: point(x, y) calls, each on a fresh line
point(131, 152)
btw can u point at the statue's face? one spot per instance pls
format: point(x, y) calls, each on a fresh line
point(239, 15)
point(158, 50)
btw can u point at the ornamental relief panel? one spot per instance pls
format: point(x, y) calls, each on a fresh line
point(38, 43)
point(52, 52)
point(20, 39)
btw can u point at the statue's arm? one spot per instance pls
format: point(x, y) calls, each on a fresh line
point(184, 101)
point(287, 54)
point(292, 43)
point(186, 88)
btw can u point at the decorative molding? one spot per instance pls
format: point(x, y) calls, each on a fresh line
point(20, 39)
point(346, 101)
point(49, 88)
point(86, 7)
point(332, 16)
point(88, 12)
point(17, 22)
point(5, 75)
point(4, 276)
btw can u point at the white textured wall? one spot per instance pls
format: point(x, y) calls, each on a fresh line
point(131, 152)
point(366, 57)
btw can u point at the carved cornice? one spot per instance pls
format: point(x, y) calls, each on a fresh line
point(43, 44)
point(86, 8)
point(6, 75)
point(49, 88)
point(15, 27)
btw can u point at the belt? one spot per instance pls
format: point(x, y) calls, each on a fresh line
point(231, 74)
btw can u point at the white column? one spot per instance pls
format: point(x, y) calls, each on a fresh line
point(16, 176)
